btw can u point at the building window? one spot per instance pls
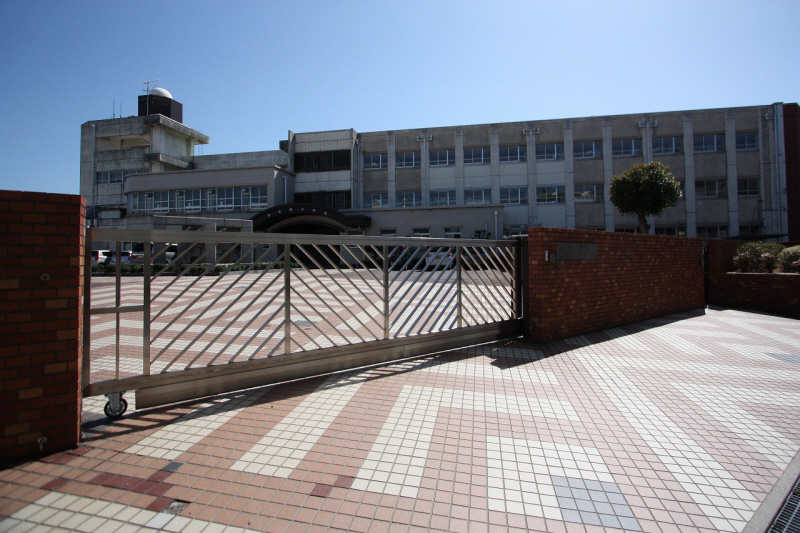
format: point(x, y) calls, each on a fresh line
point(477, 156)
point(105, 177)
point(710, 189)
point(421, 232)
point(709, 143)
point(225, 199)
point(746, 140)
point(477, 196)
point(514, 195)
point(376, 200)
point(712, 232)
point(407, 159)
point(442, 158)
point(408, 199)
point(188, 200)
point(550, 152)
point(626, 147)
point(749, 230)
point(322, 161)
point(161, 201)
point(676, 231)
point(142, 202)
point(748, 187)
point(389, 232)
point(452, 232)
point(513, 154)
point(443, 197)
point(375, 161)
point(667, 145)
point(332, 199)
point(254, 197)
point(551, 194)
point(588, 193)
point(587, 149)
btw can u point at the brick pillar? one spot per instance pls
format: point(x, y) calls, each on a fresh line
point(41, 299)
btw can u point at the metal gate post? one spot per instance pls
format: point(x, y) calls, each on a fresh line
point(287, 314)
point(458, 286)
point(146, 310)
point(385, 291)
point(86, 364)
point(519, 282)
point(117, 302)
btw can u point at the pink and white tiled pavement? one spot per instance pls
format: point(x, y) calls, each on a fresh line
point(683, 423)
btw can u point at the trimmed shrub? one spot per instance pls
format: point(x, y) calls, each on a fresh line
point(789, 259)
point(757, 256)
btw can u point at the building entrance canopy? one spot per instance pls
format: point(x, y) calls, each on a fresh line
point(276, 218)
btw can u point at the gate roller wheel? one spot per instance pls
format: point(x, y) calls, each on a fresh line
point(109, 411)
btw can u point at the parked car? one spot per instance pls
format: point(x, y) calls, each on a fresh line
point(124, 257)
point(137, 252)
point(436, 258)
point(99, 257)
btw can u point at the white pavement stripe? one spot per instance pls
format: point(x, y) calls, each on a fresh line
point(706, 481)
point(280, 451)
point(720, 402)
point(746, 372)
point(171, 441)
point(395, 463)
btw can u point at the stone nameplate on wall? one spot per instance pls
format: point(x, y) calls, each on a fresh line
point(581, 251)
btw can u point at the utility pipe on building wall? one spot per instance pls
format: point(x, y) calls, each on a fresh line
point(94, 174)
point(496, 235)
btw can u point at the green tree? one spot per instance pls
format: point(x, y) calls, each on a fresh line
point(644, 189)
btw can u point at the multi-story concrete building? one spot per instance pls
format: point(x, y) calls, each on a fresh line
point(739, 169)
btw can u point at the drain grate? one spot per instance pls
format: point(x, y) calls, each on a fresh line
point(788, 520)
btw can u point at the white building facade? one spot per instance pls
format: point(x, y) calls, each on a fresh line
point(490, 180)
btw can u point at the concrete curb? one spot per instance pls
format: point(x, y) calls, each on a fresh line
point(772, 504)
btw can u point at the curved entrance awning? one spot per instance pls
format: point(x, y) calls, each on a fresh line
point(276, 218)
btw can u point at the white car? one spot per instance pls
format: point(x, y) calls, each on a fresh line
point(99, 257)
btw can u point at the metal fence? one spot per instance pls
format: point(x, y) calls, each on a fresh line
point(211, 312)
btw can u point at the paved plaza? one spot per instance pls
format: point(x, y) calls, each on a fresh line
point(683, 423)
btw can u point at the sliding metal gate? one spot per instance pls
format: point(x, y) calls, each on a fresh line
point(215, 312)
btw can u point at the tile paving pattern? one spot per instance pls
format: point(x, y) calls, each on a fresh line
point(682, 423)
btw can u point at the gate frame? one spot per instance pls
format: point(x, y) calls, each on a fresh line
point(186, 384)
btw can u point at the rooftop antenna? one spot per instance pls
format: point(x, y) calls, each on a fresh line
point(113, 108)
point(147, 92)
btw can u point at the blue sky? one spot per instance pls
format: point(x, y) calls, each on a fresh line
point(246, 72)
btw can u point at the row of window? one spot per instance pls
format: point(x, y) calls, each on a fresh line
point(322, 161)
point(547, 194)
point(555, 151)
point(333, 199)
point(196, 200)
point(508, 195)
point(450, 232)
point(454, 232)
point(704, 232)
point(115, 176)
point(718, 188)
point(509, 230)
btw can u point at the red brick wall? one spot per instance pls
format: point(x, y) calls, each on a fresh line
point(634, 277)
point(41, 235)
point(771, 293)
